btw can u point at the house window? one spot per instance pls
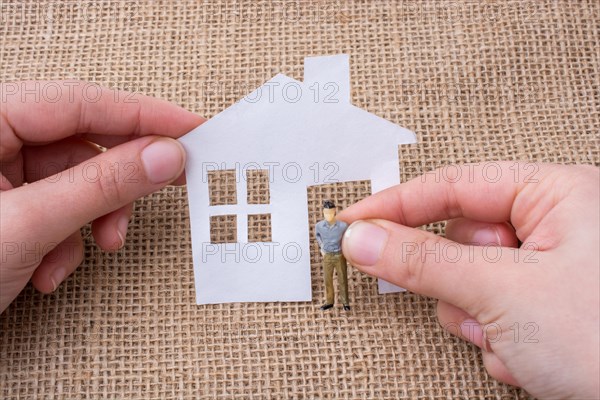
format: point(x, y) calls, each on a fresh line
point(222, 187)
point(259, 228)
point(253, 224)
point(258, 186)
point(223, 229)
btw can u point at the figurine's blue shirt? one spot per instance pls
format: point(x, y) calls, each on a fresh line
point(329, 236)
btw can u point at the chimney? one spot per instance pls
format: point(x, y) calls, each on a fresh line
point(330, 75)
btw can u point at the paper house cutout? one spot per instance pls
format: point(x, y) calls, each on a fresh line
point(303, 134)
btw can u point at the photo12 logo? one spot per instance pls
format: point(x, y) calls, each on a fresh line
point(251, 252)
point(461, 11)
point(52, 12)
point(288, 172)
point(67, 91)
point(292, 92)
point(489, 172)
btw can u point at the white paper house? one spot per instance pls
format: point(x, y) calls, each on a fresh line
point(303, 133)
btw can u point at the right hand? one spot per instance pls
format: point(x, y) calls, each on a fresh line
point(534, 311)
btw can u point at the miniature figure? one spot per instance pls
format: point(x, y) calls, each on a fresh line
point(329, 236)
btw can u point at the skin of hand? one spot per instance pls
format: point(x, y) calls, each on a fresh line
point(533, 309)
point(54, 177)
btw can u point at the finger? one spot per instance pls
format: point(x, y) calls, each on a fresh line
point(459, 323)
point(107, 141)
point(47, 160)
point(110, 230)
point(466, 231)
point(455, 320)
point(12, 170)
point(476, 233)
point(180, 181)
point(429, 264)
point(51, 209)
point(43, 161)
point(65, 108)
point(58, 264)
point(497, 369)
point(473, 192)
point(5, 183)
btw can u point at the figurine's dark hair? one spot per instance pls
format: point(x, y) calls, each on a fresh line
point(328, 204)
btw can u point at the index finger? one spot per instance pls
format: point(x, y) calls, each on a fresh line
point(481, 191)
point(38, 112)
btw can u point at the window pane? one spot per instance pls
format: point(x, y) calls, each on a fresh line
point(259, 228)
point(258, 186)
point(221, 187)
point(223, 229)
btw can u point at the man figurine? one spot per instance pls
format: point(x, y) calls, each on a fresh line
point(329, 235)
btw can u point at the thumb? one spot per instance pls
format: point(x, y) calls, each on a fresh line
point(425, 263)
point(49, 210)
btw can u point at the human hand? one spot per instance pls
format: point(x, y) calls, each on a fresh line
point(534, 311)
point(49, 132)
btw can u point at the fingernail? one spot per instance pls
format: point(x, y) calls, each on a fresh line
point(57, 276)
point(486, 237)
point(486, 345)
point(122, 229)
point(364, 242)
point(163, 160)
point(471, 330)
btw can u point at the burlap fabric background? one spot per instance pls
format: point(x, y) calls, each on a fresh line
point(475, 80)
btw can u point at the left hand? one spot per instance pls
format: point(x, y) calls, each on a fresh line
point(54, 178)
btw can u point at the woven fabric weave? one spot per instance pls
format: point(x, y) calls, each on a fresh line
point(493, 80)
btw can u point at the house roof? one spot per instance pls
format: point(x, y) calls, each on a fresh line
point(310, 121)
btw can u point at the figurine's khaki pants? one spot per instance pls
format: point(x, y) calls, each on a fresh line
point(335, 261)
